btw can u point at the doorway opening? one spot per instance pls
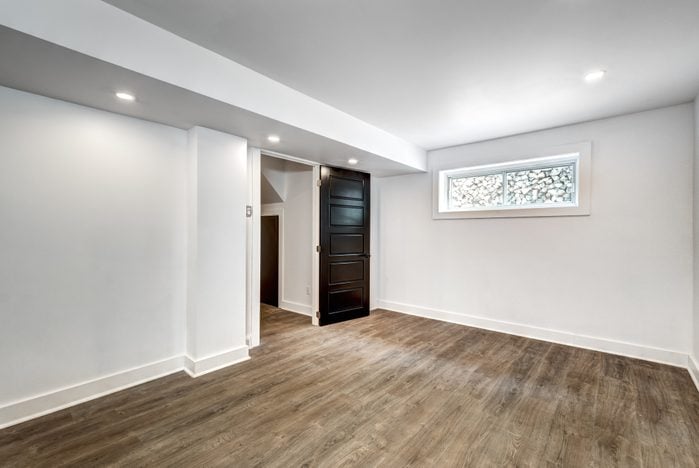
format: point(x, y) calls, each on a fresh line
point(287, 240)
point(322, 261)
point(269, 259)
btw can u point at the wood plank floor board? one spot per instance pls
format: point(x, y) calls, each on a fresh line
point(388, 390)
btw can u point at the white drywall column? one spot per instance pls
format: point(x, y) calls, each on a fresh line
point(253, 253)
point(694, 355)
point(216, 288)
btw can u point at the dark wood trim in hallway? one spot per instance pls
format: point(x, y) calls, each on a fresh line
point(385, 390)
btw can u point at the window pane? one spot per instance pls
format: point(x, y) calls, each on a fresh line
point(474, 192)
point(541, 186)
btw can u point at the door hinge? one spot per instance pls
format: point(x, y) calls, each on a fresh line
point(318, 248)
point(319, 182)
point(248, 211)
point(317, 314)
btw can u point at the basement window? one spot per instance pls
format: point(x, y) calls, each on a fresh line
point(554, 185)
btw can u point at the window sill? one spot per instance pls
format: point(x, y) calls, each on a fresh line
point(514, 213)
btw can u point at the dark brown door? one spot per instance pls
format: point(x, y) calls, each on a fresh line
point(269, 260)
point(344, 245)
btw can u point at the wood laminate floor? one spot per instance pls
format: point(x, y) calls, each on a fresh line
point(386, 390)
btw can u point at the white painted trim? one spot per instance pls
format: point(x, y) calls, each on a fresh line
point(214, 362)
point(693, 368)
point(288, 157)
point(315, 273)
point(297, 307)
point(272, 209)
point(315, 262)
point(252, 275)
point(647, 353)
point(56, 400)
point(40, 405)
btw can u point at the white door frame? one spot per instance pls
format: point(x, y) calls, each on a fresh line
point(315, 274)
point(252, 270)
point(253, 240)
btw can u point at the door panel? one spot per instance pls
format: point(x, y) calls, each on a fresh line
point(346, 188)
point(346, 215)
point(344, 245)
point(344, 272)
point(341, 301)
point(269, 260)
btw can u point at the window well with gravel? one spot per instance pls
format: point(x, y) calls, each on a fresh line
point(527, 187)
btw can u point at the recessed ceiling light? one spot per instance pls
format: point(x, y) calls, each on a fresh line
point(273, 139)
point(352, 161)
point(595, 75)
point(125, 96)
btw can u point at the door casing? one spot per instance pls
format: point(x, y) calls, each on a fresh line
point(253, 241)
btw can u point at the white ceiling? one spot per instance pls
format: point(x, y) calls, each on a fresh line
point(40, 67)
point(439, 73)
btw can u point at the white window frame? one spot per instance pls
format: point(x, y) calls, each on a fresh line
point(580, 154)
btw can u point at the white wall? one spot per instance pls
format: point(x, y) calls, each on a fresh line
point(273, 177)
point(297, 251)
point(619, 279)
point(374, 244)
point(298, 238)
point(696, 239)
point(92, 244)
point(217, 249)
point(122, 252)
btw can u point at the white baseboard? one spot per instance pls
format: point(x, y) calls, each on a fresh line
point(50, 402)
point(297, 307)
point(40, 405)
point(693, 368)
point(201, 366)
point(647, 353)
